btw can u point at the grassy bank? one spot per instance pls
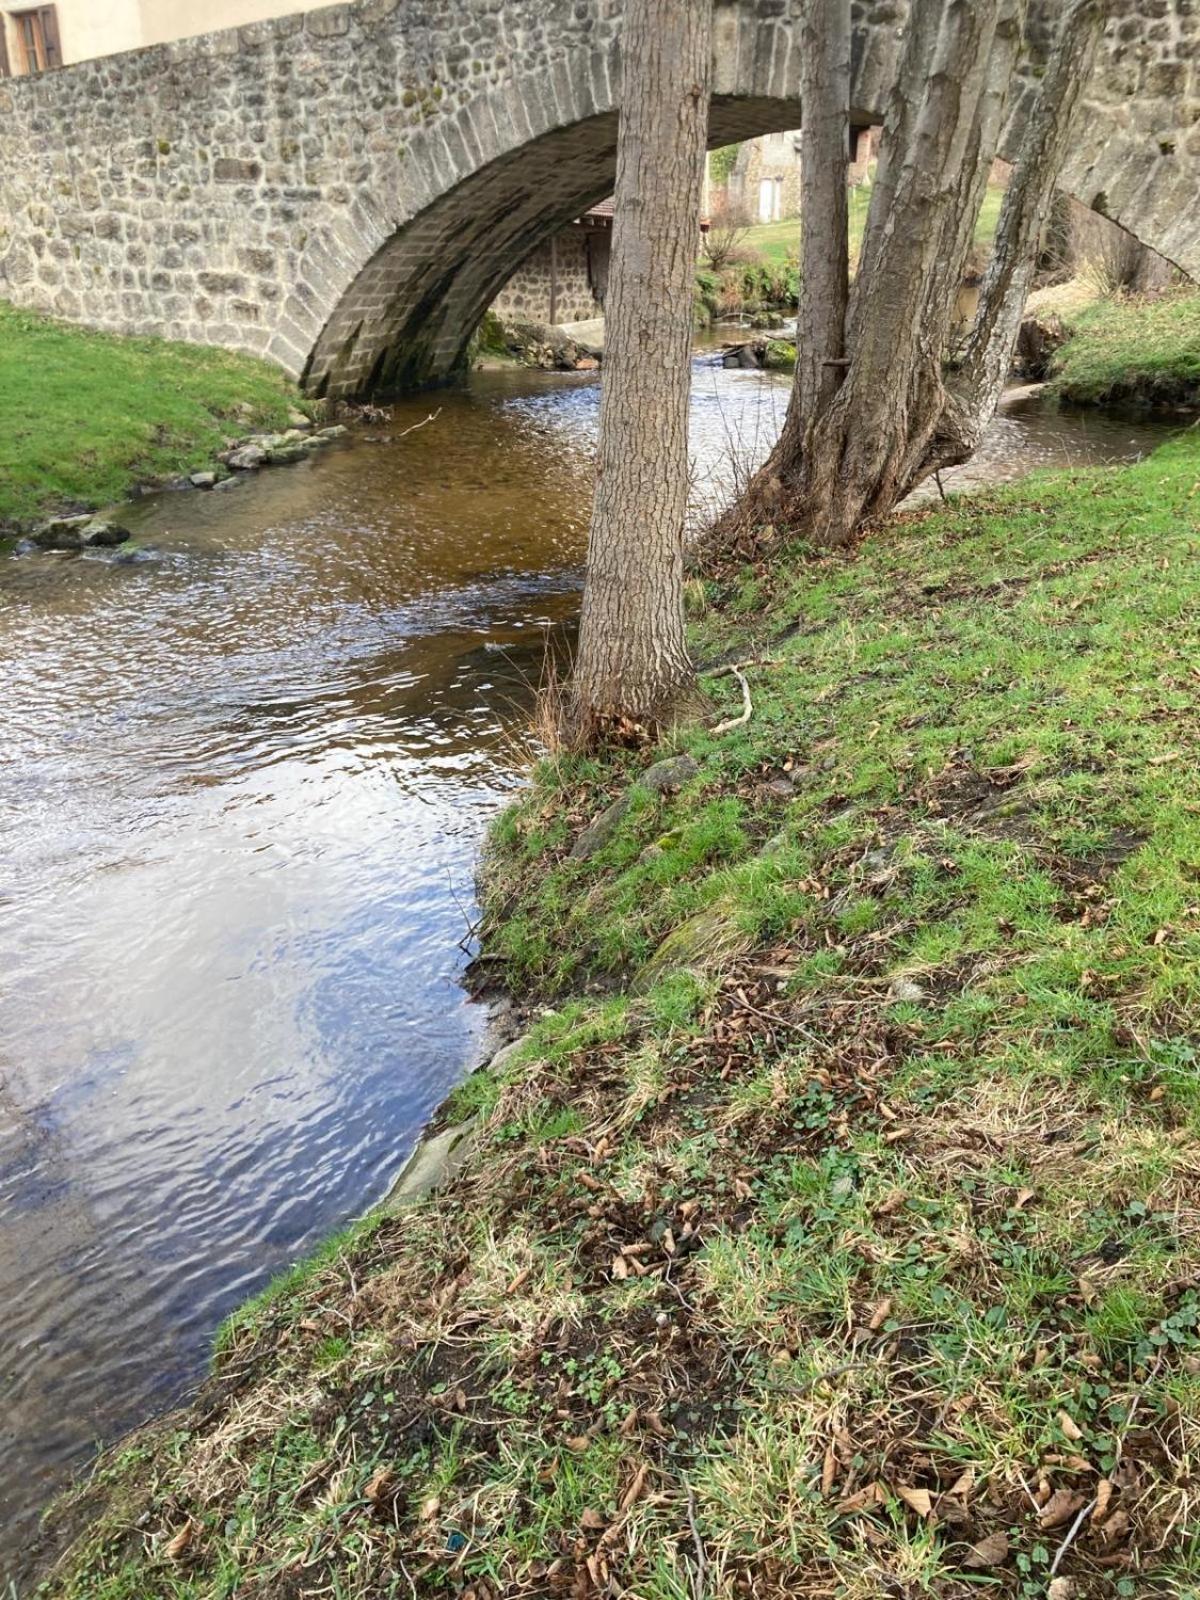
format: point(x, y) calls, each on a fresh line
point(779, 242)
point(84, 416)
point(1129, 348)
point(836, 1232)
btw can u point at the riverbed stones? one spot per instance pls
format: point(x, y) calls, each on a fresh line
point(79, 533)
point(246, 458)
point(203, 480)
point(101, 534)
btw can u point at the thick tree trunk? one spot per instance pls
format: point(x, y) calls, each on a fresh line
point(632, 667)
point(900, 413)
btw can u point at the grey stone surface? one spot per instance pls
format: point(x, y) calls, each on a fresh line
point(246, 458)
point(345, 193)
point(203, 480)
point(600, 830)
point(434, 1162)
point(669, 773)
point(101, 534)
point(61, 533)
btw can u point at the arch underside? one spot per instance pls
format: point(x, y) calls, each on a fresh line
point(407, 318)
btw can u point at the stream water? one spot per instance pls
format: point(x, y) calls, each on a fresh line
point(244, 780)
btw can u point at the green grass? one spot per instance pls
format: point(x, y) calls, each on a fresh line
point(1128, 347)
point(779, 242)
point(84, 416)
point(836, 1229)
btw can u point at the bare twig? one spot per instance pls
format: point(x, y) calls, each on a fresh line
point(696, 1539)
point(1072, 1532)
point(747, 706)
point(404, 432)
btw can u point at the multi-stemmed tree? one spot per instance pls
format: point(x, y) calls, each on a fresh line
point(879, 401)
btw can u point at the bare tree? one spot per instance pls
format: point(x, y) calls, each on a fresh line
point(724, 243)
point(632, 668)
point(874, 407)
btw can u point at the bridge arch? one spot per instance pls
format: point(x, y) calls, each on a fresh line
point(344, 191)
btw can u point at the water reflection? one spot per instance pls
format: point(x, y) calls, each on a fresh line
point(243, 786)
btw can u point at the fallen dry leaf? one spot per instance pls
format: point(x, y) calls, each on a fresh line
point(961, 1488)
point(592, 1520)
point(872, 1495)
point(182, 1542)
point(380, 1485)
point(880, 1315)
point(989, 1552)
point(1104, 1493)
point(1061, 1507)
point(918, 1499)
point(1070, 1427)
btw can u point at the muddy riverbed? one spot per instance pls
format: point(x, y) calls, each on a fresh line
point(245, 778)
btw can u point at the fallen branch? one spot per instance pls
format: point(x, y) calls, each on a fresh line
point(747, 705)
point(432, 417)
point(737, 670)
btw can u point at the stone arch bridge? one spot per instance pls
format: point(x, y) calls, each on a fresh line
point(344, 192)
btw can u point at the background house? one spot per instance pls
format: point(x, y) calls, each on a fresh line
point(762, 182)
point(34, 38)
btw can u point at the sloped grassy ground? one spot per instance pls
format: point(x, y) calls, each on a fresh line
point(837, 1232)
point(84, 416)
point(1127, 347)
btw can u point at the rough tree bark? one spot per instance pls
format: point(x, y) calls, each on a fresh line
point(632, 667)
point(893, 411)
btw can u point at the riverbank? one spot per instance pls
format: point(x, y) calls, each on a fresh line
point(86, 417)
point(834, 1229)
point(1123, 348)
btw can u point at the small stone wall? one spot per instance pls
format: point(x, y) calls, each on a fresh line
point(556, 284)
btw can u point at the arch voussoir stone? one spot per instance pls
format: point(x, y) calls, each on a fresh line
point(345, 191)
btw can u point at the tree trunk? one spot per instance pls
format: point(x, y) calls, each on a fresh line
point(632, 667)
point(852, 451)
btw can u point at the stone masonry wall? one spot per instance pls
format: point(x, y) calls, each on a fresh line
point(345, 191)
point(554, 285)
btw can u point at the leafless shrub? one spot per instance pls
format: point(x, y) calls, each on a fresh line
point(724, 243)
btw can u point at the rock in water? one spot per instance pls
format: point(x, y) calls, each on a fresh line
point(61, 533)
point(79, 533)
point(104, 535)
point(247, 458)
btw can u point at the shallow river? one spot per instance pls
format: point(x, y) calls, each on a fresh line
point(244, 779)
